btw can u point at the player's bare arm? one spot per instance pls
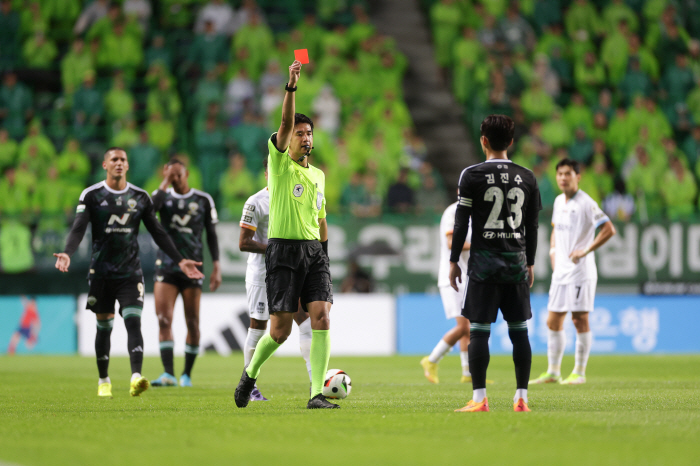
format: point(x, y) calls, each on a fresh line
point(215, 277)
point(455, 275)
point(323, 229)
point(286, 129)
point(607, 231)
point(552, 247)
point(246, 243)
point(169, 172)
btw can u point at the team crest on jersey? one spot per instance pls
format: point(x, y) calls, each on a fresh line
point(91, 300)
point(261, 307)
point(193, 206)
point(181, 204)
point(298, 190)
point(132, 204)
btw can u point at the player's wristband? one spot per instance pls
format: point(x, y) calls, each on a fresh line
point(289, 89)
point(324, 246)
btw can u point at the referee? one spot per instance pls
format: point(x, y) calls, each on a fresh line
point(296, 259)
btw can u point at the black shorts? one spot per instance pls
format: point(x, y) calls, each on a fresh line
point(104, 292)
point(177, 278)
point(482, 301)
point(296, 270)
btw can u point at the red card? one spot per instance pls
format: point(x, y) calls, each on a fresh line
point(302, 56)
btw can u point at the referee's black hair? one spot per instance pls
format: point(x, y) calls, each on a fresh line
point(567, 162)
point(499, 130)
point(301, 118)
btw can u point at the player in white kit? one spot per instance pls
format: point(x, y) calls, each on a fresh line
point(452, 302)
point(574, 221)
point(253, 239)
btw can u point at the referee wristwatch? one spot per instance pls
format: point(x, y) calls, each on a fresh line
point(289, 89)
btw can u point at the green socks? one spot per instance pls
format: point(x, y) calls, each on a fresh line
point(320, 354)
point(266, 347)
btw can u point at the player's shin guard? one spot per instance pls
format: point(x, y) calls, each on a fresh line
point(320, 354)
point(166, 355)
point(102, 346)
point(522, 353)
point(305, 338)
point(132, 322)
point(479, 356)
point(191, 352)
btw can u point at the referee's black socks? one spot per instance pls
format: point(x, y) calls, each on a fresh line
point(522, 353)
point(132, 322)
point(479, 355)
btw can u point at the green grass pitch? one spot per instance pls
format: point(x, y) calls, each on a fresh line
point(636, 410)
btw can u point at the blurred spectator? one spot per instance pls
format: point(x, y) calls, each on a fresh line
point(273, 76)
point(547, 193)
point(547, 76)
point(602, 180)
point(208, 90)
point(619, 206)
point(326, 108)
point(126, 134)
point(445, 19)
point(647, 61)
point(547, 13)
point(581, 149)
point(236, 185)
point(516, 31)
point(120, 51)
point(211, 154)
point(250, 138)
point(16, 193)
point(356, 280)
point(256, 37)
point(430, 197)
point(88, 108)
point(220, 14)
point(678, 80)
point(467, 55)
point(679, 191)
point(605, 104)
point(105, 25)
point(354, 193)
point(578, 114)
point(9, 36)
point(159, 52)
point(32, 20)
point(15, 105)
point(36, 149)
point(490, 36)
point(555, 132)
point(271, 101)
point(536, 103)
point(8, 149)
point(15, 247)
point(589, 76)
point(161, 133)
point(90, 14)
point(49, 197)
point(119, 101)
point(614, 51)
point(39, 52)
point(634, 83)
point(616, 11)
point(238, 90)
point(691, 146)
point(73, 164)
point(209, 49)
point(75, 65)
point(582, 21)
point(644, 183)
point(400, 197)
point(140, 10)
point(164, 100)
point(144, 159)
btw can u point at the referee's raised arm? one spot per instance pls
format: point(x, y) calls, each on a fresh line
point(284, 134)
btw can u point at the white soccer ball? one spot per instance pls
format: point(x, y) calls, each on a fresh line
point(337, 384)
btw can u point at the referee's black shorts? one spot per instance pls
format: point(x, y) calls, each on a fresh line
point(296, 269)
point(482, 301)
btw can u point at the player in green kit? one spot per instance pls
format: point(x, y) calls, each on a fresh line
point(296, 259)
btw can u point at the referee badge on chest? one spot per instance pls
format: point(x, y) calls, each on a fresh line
point(319, 200)
point(298, 190)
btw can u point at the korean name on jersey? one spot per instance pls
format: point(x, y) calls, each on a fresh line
point(574, 224)
point(256, 216)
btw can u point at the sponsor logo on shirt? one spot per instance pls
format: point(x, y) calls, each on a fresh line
point(501, 235)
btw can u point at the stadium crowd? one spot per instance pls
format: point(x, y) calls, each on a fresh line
point(612, 84)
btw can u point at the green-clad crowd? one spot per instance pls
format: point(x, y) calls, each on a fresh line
point(613, 84)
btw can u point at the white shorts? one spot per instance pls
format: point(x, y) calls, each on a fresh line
point(574, 297)
point(257, 302)
point(452, 300)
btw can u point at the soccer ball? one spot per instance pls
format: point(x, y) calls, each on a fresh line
point(337, 384)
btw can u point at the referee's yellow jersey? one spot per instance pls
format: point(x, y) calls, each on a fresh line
point(296, 196)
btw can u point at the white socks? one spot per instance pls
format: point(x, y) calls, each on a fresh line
point(464, 357)
point(583, 350)
point(305, 335)
point(105, 380)
point(479, 395)
point(520, 393)
point(135, 376)
point(556, 342)
point(440, 350)
point(254, 336)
